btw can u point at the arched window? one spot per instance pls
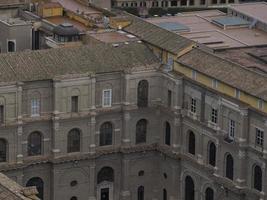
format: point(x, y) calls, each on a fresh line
point(142, 94)
point(191, 143)
point(11, 46)
point(257, 178)
point(35, 144)
point(209, 194)
point(165, 196)
point(3, 150)
point(141, 193)
point(189, 188)
point(141, 173)
point(74, 141)
point(167, 133)
point(106, 130)
point(212, 154)
point(38, 182)
point(105, 174)
point(229, 171)
point(74, 198)
point(141, 127)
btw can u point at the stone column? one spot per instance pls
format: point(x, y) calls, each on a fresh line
point(20, 123)
point(92, 182)
point(92, 141)
point(125, 192)
point(240, 169)
point(187, 3)
point(93, 91)
point(176, 134)
point(126, 136)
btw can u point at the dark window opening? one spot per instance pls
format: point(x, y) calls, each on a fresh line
point(141, 129)
point(183, 2)
point(167, 133)
point(141, 173)
point(212, 154)
point(165, 196)
point(11, 46)
point(74, 103)
point(141, 193)
point(3, 150)
point(73, 183)
point(169, 98)
point(257, 178)
point(189, 188)
point(105, 174)
point(191, 2)
point(39, 184)
point(191, 143)
point(209, 194)
point(74, 141)
point(106, 131)
point(174, 4)
point(1, 114)
point(202, 2)
point(35, 144)
point(142, 94)
point(229, 167)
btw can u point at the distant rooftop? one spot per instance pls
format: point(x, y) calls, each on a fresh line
point(230, 21)
point(227, 32)
point(172, 26)
point(14, 21)
point(256, 10)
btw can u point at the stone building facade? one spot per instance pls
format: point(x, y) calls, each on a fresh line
point(112, 123)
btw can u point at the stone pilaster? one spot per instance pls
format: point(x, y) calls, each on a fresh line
point(92, 182)
point(125, 193)
point(92, 141)
point(176, 134)
point(126, 138)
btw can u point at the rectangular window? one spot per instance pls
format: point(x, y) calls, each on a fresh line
point(193, 105)
point(107, 98)
point(237, 93)
point(214, 83)
point(259, 137)
point(194, 74)
point(169, 98)
point(214, 115)
point(231, 131)
point(1, 114)
point(74, 103)
point(35, 107)
point(260, 104)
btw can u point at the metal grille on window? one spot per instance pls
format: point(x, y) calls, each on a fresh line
point(231, 129)
point(193, 105)
point(259, 137)
point(35, 107)
point(214, 115)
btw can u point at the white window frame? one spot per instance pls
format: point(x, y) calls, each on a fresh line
point(231, 129)
point(109, 99)
point(193, 107)
point(259, 137)
point(35, 107)
point(214, 117)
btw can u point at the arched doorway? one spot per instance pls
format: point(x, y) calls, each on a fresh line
point(39, 184)
point(189, 188)
point(105, 179)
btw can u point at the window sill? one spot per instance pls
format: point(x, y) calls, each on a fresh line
point(213, 125)
point(192, 115)
point(229, 140)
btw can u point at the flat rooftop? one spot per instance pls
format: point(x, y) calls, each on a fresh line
point(14, 21)
point(203, 27)
point(57, 20)
point(113, 37)
point(256, 10)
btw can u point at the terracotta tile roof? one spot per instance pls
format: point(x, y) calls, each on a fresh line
point(157, 36)
point(10, 190)
point(48, 64)
point(228, 72)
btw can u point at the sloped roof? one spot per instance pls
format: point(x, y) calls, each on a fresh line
point(157, 36)
point(10, 190)
point(47, 64)
point(228, 72)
